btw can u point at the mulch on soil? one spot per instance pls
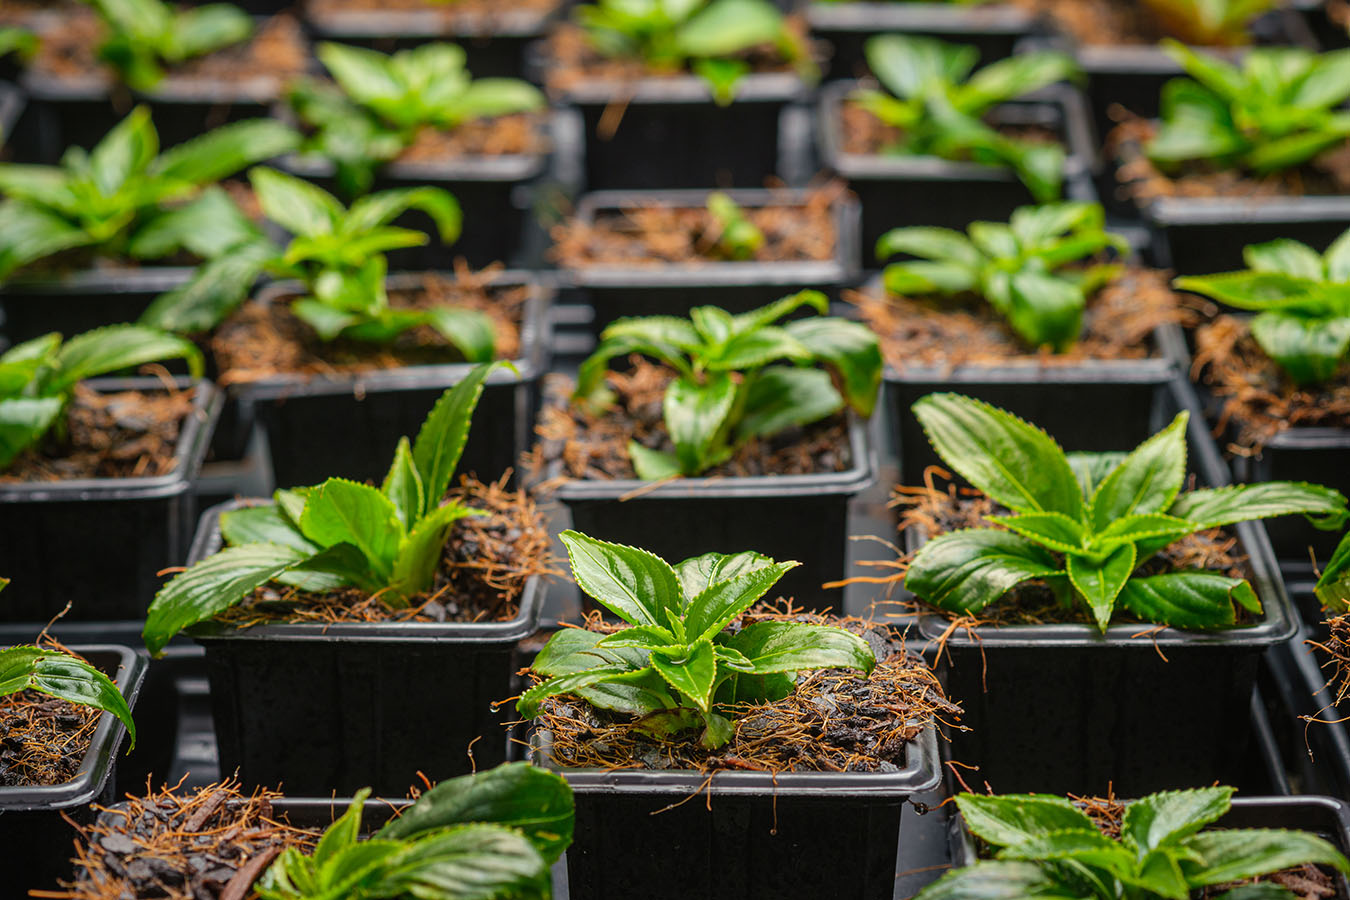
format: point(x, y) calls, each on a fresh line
point(43, 739)
point(476, 10)
point(1098, 22)
point(513, 135)
point(863, 133)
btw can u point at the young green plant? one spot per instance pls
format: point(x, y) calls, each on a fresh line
point(1085, 523)
point(731, 386)
point(38, 377)
point(738, 238)
point(126, 199)
point(1302, 301)
point(145, 36)
point(386, 540)
point(710, 36)
point(1029, 270)
point(1209, 22)
point(19, 41)
point(1047, 848)
point(938, 105)
point(492, 834)
point(381, 102)
point(1333, 585)
point(1278, 110)
point(337, 253)
point(678, 668)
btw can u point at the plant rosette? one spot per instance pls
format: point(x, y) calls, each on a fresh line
point(32, 816)
point(1192, 634)
point(673, 724)
point(642, 253)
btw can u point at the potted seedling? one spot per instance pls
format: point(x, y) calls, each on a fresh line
point(676, 95)
point(944, 144)
point(1276, 380)
point(750, 430)
point(342, 343)
point(416, 118)
point(63, 714)
point(696, 693)
point(1041, 315)
point(490, 834)
point(1104, 573)
point(18, 46)
point(201, 65)
point(1161, 845)
point(1241, 153)
point(413, 582)
point(644, 253)
point(101, 468)
point(85, 243)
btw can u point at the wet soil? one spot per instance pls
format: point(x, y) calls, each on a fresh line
point(43, 739)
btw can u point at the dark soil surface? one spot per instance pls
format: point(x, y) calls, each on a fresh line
point(514, 135)
point(123, 435)
point(595, 446)
point(43, 739)
point(660, 235)
point(863, 133)
point(262, 340)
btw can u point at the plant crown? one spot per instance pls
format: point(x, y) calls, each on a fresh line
point(38, 377)
point(738, 238)
point(144, 36)
point(386, 540)
point(1276, 111)
point(711, 36)
point(126, 199)
point(1049, 849)
point(938, 105)
point(492, 834)
point(381, 102)
point(1302, 301)
point(678, 667)
point(1028, 270)
point(1084, 523)
point(728, 389)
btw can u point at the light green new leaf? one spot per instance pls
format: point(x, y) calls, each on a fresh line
point(1100, 583)
point(345, 512)
point(441, 439)
point(1146, 481)
point(722, 601)
point(1012, 818)
point(1212, 507)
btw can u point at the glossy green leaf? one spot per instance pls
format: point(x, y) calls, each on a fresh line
point(724, 27)
point(1166, 817)
point(381, 208)
point(999, 881)
point(851, 351)
point(1236, 854)
point(965, 571)
point(792, 647)
point(1188, 599)
point(113, 348)
point(263, 524)
point(698, 572)
point(223, 151)
point(295, 204)
point(1333, 585)
point(1311, 349)
point(1099, 583)
point(403, 485)
point(216, 289)
point(441, 439)
point(782, 396)
point(722, 601)
point(345, 512)
point(1213, 507)
point(61, 675)
point(1087, 847)
point(1146, 481)
point(1055, 531)
point(695, 415)
point(653, 465)
point(635, 585)
point(1012, 818)
point(23, 422)
point(692, 672)
point(419, 552)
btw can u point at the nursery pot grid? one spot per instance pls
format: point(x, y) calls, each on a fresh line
point(98, 542)
point(321, 708)
point(756, 835)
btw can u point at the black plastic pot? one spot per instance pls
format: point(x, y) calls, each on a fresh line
point(11, 107)
point(993, 28)
point(667, 289)
point(898, 191)
point(347, 425)
point(754, 835)
point(1066, 709)
point(75, 302)
point(97, 543)
point(494, 192)
point(37, 840)
point(322, 708)
point(672, 135)
point(1316, 726)
point(801, 517)
point(495, 45)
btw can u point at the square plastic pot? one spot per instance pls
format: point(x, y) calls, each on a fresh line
point(98, 542)
point(37, 840)
point(800, 517)
point(11, 107)
point(347, 425)
point(75, 302)
point(615, 291)
point(898, 191)
point(672, 134)
point(993, 28)
point(1066, 709)
point(739, 834)
point(322, 708)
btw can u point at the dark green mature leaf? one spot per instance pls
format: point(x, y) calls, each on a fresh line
point(1188, 599)
point(698, 572)
point(226, 150)
point(113, 348)
point(851, 351)
point(1326, 508)
point(23, 421)
point(1236, 854)
point(1012, 461)
point(61, 675)
point(1166, 817)
point(782, 396)
point(637, 586)
point(1146, 481)
point(263, 524)
point(29, 233)
point(573, 650)
point(965, 571)
point(1009, 819)
point(1088, 847)
point(216, 289)
point(572, 683)
point(1101, 582)
point(1000, 881)
point(345, 512)
point(441, 439)
point(793, 647)
point(722, 601)
point(695, 414)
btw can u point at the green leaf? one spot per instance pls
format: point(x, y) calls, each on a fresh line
point(1259, 291)
point(419, 552)
point(1013, 77)
point(1053, 530)
point(1144, 527)
point(851, 351)
point(226, 150)
point(1164, 818)
point(1311, 349)
point(724, 27)
point(1013, 818)
point(698, 572)
point(1237, 854)
point(1015, 463)
point(768, 313)
point(753, 349)
point(207, 227)
point(907, 64)
point(62, 675)
point(1088, 847)
point(1284, 256)
point(965, 571)
point(1188, 599)
point(1045, 310)
point(375, 210)
point(692, 673)
point(999, 881)
point(403, 485)
point(295, 204)
point(635, 585)
point(782, 396)
point(774, 647)
point(572, 683)
point(217, 288)
point(125, 151)
point(644, 637)
point(201, 29)
point(263, 524)
point(345, 512)
point(695, 415)
point(1100, 583)
point(1146, 481)
point(1333, 585)
point(440, 441)
point(23, 422)
point(573, 650)
point(113, 348)
point(722, 601)
point(653, 465)
point(1212, 507)
point(29, 233)
point(468, 330)
point(941, 244)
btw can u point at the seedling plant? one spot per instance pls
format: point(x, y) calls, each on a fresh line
point(1222, 22)
point(145, 36)
point(738, 239)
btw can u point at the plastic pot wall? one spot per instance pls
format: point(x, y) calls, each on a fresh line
point(38, 842)
point(322, 708)
point(898, 191)
point(615, 291)
point(739, 834)
point(348, 425)
point(77, 301)
point(798, 517)
point(97, 543)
